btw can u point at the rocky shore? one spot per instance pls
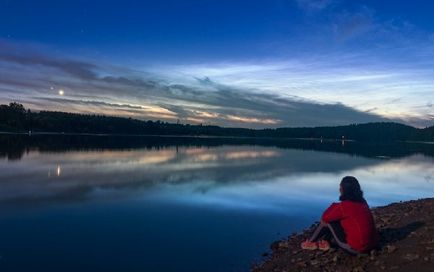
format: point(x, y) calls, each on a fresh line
point(407, 244)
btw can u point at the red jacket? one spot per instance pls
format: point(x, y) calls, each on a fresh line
point(357, 221)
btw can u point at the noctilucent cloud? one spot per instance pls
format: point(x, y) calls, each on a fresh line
point(231, 63)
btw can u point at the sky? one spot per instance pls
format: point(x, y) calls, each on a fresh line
point(254, 64)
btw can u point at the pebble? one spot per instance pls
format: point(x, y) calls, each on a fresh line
point(302, 264)
point(284, 244)
point(314, 262)
point(361, 255)
point(319, 253)
point(358, 269)
point(411, 257)
point(390, 248)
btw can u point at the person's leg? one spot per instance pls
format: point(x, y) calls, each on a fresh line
point(339, 235)
point(321, 231)
point(337, 231)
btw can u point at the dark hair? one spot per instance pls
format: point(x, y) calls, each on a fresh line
point(351, 190)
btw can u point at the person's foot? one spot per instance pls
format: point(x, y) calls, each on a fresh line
point(323, 245)
point(309, 245)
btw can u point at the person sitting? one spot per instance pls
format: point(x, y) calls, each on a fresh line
point(349, 222)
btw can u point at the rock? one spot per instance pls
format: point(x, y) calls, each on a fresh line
point(362, 256)
point(319, 253)
point(358, 269)
point(335, 258)
point(411, 257)
point(284, 244)
point(302, 264)
point(314, 262)
point(274, 246)
point(390, 248)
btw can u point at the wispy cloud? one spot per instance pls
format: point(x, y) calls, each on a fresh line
point(388, 89)
point(89, 87)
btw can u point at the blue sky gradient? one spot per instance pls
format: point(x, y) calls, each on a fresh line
point(231, 63)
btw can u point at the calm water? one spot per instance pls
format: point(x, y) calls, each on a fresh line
point(124, 204)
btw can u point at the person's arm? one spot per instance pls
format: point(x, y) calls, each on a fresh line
point(333, 213)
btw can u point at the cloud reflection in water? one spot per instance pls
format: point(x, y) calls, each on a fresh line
point(229, 177)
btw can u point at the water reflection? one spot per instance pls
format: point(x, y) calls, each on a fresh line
point(58, 171)
point(16, 146)
point(141, 204)
point(219, 175)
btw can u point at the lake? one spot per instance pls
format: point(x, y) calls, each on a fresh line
point(99, 203)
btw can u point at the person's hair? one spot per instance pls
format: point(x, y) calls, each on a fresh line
point(351, 190)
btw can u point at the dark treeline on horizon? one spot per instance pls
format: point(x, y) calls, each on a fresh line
point(15, 118)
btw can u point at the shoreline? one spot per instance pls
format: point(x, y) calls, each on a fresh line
point(47, 133)
point(172, 136)
point(407, 244)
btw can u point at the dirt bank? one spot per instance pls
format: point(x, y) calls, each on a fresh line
point(407, 244)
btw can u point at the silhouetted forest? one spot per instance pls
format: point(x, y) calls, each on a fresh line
point(15, 118)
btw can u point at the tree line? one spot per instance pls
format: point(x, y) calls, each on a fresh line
point(15, 118)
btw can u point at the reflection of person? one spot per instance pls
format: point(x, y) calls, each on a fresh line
point(349, 223)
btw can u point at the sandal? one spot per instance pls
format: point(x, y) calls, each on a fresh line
point(308, 245)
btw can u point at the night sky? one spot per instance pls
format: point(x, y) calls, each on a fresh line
point(250, 63)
